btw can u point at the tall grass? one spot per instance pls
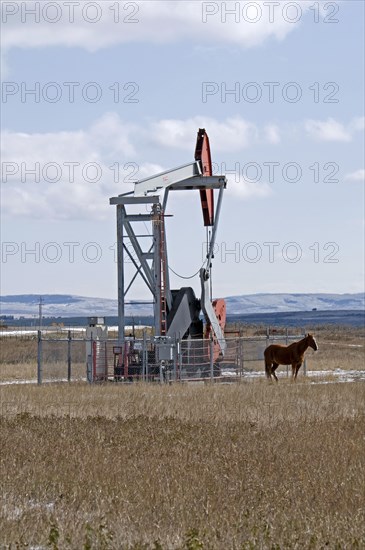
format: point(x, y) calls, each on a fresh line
point(183, 466)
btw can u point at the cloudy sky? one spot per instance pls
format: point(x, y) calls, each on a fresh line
point(96, 95)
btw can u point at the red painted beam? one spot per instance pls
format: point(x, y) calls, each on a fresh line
point(202, 154)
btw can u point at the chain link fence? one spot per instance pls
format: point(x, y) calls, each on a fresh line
point(149, 359)
point(61, 358)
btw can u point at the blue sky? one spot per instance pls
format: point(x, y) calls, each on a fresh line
point(293, 212)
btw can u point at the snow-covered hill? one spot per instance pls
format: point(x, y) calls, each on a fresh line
point(64, 305)
point(274, 303)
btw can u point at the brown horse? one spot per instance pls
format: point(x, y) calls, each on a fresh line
point(293, 355)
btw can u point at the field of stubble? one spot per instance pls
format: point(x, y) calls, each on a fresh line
point(241, 466)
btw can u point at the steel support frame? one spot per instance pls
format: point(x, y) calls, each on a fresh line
point(151, 274)
point(126, 231)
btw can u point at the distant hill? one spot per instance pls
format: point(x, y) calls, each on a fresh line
point(66, 305)
point(276, 303)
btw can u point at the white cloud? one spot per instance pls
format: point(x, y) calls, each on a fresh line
point(247, 189)
point(71, 174)
point(332, 130)
point(327, 130)
point(109, 23)
point(67, 175)
point(111, 154)
point(272, 134)
point(111, 135)
point(233, 134)
point(357, 124)
point(358, 175)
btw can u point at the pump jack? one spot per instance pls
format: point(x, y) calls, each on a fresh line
point(176, 312)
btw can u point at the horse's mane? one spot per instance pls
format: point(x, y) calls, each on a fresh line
point(296, 343)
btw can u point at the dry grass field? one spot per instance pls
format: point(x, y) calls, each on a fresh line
point(183, 466)
point(191, 466)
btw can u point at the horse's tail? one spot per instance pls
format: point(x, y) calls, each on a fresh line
point(267, 370)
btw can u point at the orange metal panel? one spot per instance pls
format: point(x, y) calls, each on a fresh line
point(219, 307)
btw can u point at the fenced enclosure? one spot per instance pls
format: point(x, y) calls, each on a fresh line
point(60, 357)
point(71, 357)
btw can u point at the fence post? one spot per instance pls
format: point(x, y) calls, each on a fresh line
point(240, 351)
point(106, 369)
point(69, 356)
point(90, 361)
point(241, 355)
point(286, 343)
point(175, 351)
point(162, 365)
point(144, 357)
point(179, 358)
point(39, 358)
point(211, 358)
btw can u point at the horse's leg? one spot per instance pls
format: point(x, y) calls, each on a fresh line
point(297, 367)
point(273, 369)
